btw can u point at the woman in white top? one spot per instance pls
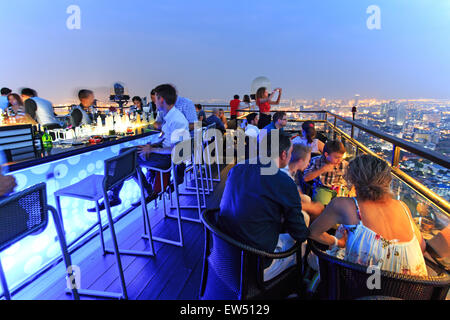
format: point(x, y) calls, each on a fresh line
point(246, 104)
point(379, 230)
point(308, 138)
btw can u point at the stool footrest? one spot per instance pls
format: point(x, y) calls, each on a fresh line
point(189, 207)
point(167, 241)
point(185, 218)
point(98, 294)
point(131, 252)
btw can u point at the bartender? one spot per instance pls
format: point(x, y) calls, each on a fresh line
point(39, 109)
point(83, 113)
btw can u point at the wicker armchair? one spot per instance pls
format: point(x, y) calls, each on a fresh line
point(342, 280)
point(235, 271)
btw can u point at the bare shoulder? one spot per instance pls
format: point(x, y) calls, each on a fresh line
point(342, 206)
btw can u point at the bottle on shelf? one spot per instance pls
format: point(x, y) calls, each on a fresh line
point(47, 141)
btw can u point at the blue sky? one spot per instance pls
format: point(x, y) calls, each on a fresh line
point(214, 49)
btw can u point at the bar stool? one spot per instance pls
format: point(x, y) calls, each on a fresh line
point(178, 217)
point(94, 188)
point(196, 169)
point(26, 213)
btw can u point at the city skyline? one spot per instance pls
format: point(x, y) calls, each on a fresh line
point(212, 50)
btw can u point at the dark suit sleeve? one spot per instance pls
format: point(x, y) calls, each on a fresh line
point(294, 222)
point(30, 108)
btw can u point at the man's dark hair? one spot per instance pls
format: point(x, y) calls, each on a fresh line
point(236, 97)
point(137, 99)
point(278, 115)
point(84, 93)
point(334, 146)
point(284, 142)
point(198, 106)
point(251, 117)
point(153, 92)
point(220, 110)
point(5, 91)
point(168, 93)
point(29, 92)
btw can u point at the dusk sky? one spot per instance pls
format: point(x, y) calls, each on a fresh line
point(214, 49)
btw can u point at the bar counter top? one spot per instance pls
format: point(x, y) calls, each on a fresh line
point(61, 151)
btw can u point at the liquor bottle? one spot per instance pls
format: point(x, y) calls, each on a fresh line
point(38, 138)
point(47, 141)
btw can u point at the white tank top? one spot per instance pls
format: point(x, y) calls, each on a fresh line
point(85, 119)
point(314, 145)
point(44, 112)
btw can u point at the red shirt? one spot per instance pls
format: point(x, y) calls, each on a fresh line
point(234, 105)
point(263, 107)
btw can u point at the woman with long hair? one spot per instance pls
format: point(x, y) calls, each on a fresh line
point(309, 138)
point(264, 102)
point(378, 229)
point(15, 105)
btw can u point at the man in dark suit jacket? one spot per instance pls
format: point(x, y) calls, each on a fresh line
point(258, 209)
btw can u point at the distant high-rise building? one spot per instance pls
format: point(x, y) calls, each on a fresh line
point(400, 115)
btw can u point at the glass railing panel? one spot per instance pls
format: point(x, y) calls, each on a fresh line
point(430, 219)
point(431, 175)
point(382, 148)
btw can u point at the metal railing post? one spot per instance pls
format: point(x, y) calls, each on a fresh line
point(396, 156)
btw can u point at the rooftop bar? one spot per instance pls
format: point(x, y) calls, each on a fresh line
point(67, 162)
point(76, 154)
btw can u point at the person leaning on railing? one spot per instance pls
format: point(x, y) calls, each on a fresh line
point(378, 230)
point(264, 102)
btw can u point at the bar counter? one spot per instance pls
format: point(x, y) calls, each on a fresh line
point(60, 167)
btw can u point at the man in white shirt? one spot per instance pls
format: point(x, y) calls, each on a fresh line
point(4, 92)
point(252, 129)
point(174, 127)
point(187, 108)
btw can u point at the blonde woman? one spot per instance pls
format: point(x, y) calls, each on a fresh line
point(379, 230)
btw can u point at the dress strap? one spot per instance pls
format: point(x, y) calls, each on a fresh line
point(358, 211)
point(409, 218)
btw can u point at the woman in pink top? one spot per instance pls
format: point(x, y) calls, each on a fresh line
point(263, 101)
point(379, 230)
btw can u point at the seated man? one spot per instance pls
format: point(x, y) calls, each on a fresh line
point(279, 122)
point(252, 129)
point(257, 207)
point(39, 109)
point(214, 118)
point(187, 108)
point(328, 170)
point(201, 115)
point(301, 156)
point(81, 114)
point(173, 128)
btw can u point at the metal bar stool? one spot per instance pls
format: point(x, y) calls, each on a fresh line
point(94, 188)
point(178, 217)
point(201, 165)
point(196, 154)
point(26, 213)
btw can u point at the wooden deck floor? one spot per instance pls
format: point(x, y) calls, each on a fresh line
point(173, 274)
